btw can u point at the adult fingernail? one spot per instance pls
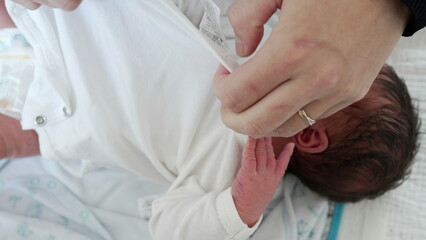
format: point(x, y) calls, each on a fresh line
point(239, 47)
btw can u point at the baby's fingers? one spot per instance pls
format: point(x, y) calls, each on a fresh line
point(270, 156)
point(284, 158)
point(249, 155)
point(261, 154)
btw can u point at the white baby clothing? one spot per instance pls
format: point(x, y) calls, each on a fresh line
point(125, 85)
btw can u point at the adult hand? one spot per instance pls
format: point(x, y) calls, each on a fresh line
point(68, 5)
point(322, 56)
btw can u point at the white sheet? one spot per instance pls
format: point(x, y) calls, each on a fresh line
point(407, 217)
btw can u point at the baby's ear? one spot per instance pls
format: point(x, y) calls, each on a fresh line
point(313, 139)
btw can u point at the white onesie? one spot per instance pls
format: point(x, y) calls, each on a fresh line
point(123, 85)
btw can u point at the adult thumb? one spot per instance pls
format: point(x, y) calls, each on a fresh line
point(247, 19)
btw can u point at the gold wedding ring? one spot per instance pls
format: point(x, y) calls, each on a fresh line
point(305, 117)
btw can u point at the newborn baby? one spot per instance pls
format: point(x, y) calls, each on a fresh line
point(360, 152)
point(133, 108)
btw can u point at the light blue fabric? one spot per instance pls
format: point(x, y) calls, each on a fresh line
point(46, 200)
point(296, 213)
point(42, 207)
point(15, 39)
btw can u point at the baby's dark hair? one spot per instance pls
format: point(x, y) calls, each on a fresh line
point(375, 152)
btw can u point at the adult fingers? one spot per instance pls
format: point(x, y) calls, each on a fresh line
point(67, 5)
point(271, 111)
point(321, 91)
point(27, 4)
point(315, 110)
point(277, 113)
point(247, 19)
point(252, 80)
point(334, 109)
point(44, 2)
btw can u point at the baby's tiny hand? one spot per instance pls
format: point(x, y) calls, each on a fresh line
point(258, 177)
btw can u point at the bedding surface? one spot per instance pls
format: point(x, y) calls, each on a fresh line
point(45, 200)
point(407, 216)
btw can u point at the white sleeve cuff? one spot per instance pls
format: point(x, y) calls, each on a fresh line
point(46, 148)
point(230, 219)
point(77, 167)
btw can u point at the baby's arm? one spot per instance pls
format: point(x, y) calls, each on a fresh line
point(258, 178)
point(15, 142)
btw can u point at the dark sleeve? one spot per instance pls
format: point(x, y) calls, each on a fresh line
point(418, 19)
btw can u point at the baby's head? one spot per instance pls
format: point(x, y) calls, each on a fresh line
point(363, 150)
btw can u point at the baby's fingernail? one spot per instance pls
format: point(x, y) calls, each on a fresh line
point(239, 47)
